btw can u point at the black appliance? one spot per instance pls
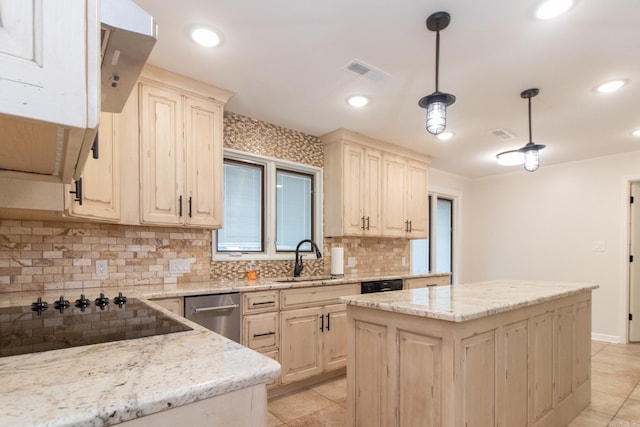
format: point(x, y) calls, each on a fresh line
point(381, 286)
point(64, 324)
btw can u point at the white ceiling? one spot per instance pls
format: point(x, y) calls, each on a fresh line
point(285, 60)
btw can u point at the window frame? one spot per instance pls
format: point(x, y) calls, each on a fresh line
point(271, 164)
point(313, 204)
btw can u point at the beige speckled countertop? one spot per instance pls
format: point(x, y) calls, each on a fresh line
point(105, 384)
point(201, 288)
point(460, 303)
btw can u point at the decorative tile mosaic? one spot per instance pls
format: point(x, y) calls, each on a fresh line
point(255, 136)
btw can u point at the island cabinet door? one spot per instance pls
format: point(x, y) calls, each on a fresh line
point(367, 376)
point(300, 344)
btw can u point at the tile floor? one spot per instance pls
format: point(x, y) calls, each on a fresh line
point(615, 395)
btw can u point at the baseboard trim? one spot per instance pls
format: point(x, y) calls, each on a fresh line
point(608, 338)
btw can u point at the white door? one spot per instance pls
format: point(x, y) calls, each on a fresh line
point(634, 267)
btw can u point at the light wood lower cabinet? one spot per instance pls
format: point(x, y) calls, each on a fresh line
point(261, 325)
point(174, 305)
point(527, 367)
point(422, 282)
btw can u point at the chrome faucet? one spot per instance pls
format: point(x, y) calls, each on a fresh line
point(297, 268)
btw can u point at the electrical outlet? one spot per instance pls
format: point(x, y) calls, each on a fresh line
point(404, 262)
point(102, 269)
point(179, 266)
point(351, 261)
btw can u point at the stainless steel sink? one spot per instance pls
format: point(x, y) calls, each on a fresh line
point(304, 279)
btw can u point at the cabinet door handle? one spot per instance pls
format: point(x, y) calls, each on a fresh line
point(180, 206)
point(362, 222)
point(78, 191)
point(367, 223)
point(190, 206)
point(328, 321)
point(262, 303)
point(322, 323)
point(410, 226)
point(263, 335)
point(406, 226)
point(95, 147)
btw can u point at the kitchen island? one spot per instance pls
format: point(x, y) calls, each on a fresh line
point(501, 353)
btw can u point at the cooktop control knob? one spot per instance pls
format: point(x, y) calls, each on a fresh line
point(120, 300)
point(102, 301)
point(39, 306)
point(61, 304)
point(82, 303)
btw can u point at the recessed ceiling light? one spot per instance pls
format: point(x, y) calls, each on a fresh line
point(445, 136)
point(550, 9)
point(206, 36)
point(510, 158)
point(611, 86)
point(636, 133)
point(357, 101)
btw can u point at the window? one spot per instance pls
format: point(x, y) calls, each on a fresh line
point(243, 208)
point(435, 254)
point(269, 206)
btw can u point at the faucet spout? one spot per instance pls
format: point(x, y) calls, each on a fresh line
point(298, 266)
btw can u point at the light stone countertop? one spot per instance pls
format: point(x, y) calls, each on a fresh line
point(105, 384)
point(215, 286)
point(459, 303)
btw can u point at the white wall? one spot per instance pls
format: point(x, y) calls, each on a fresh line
point(542, 226)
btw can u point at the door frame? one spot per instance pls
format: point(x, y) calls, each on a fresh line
point(626, 232)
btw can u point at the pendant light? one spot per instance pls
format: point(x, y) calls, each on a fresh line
point(529, 154)
point(437, 103)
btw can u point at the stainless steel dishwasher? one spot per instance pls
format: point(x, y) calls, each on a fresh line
point(218, 312)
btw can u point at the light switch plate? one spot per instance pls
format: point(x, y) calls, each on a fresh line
point(351, 261)
point(179, 266)
point(102, 269)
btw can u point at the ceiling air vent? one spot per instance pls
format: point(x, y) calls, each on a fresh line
point(367, 71)
point(502, 134)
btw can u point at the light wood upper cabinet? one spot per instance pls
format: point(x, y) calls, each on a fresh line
point(405, 197)
point(180, 157)
point(49, 81)
point(100, 181)
point(373, 188)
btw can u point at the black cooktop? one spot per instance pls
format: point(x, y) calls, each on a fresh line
point(64, 324)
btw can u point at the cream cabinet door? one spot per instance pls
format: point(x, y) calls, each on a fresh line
point(49, 63)
point(100, 178)
point(161, 156)
point(394, 196)
point(417, 199)
point(353, 183)
point(334, 337)
point(300, 344)
point(372, 190)
point(203, 131)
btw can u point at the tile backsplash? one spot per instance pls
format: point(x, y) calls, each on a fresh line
point(44, 256)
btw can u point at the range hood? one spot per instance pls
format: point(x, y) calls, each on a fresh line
point(128, 35)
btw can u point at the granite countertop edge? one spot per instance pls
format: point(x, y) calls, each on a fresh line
point(460, 303)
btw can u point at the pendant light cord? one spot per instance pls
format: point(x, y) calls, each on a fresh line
point(530, 133)
point(437, 55)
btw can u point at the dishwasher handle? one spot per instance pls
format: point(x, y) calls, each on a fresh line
point(214, 308)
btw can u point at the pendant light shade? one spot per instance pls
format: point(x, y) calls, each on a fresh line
point(530, 153)
point(437, 103)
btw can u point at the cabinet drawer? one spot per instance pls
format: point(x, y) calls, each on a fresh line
point(174, 305)
point(260, 331)
point(314, 296)
point(421, 282)
point(259, 302)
